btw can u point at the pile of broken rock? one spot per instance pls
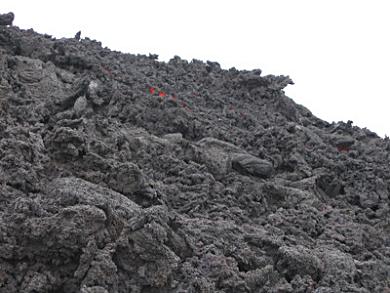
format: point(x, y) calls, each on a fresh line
point(105, 188)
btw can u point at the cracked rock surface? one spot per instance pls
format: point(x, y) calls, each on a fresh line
point(120, 173)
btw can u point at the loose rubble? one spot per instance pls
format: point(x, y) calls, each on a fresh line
point(214, 181)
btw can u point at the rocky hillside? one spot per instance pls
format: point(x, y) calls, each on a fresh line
point(123, 174)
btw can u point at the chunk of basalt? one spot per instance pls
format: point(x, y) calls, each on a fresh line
point(128, 179)
point(94, 289)
point(66, 143)
point(298, 260)
point(330, 185)
point(80, 105)
point(252, 81)
point(344, 143)
point(174, 137)
point(338, 266)
point(249, 165)
point(215, 154)
point(7, 19)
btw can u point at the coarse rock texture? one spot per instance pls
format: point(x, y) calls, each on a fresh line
point(7, 18)
point(119, 173)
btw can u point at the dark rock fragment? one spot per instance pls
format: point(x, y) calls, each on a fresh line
point(80, 105)
point(330, 184)
point(7, 19)
point(77, 35)
point(249, 165)
point(298, 260)
point(252, 81)
point(66, 143)
point(344, 143)
point(215, 153)
point(337, 264)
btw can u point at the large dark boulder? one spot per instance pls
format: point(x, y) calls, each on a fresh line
point(249, 165)
point(7, 19)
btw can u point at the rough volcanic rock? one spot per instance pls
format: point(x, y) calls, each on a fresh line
point(120, 173)
point(7, 19)
point(248, 164)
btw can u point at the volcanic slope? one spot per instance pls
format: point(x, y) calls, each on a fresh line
point(120, 173)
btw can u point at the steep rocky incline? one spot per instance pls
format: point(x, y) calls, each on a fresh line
point(120, 173)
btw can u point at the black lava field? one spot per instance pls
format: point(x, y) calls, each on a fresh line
point(123, 174)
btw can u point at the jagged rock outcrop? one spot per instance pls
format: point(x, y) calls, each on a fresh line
point(7, 18)
point(119, 173)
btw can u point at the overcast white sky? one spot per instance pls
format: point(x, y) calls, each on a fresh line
point(336, 51)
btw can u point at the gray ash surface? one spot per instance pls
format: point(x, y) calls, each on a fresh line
point(119, 173)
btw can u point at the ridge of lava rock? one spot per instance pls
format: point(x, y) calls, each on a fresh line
point(120, 173)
